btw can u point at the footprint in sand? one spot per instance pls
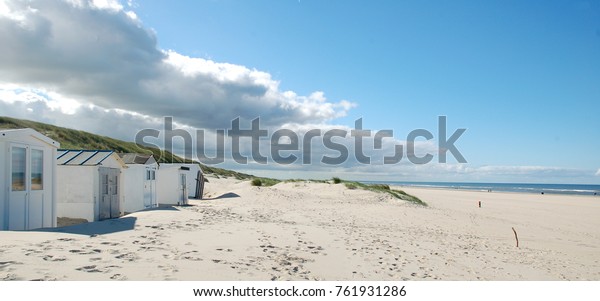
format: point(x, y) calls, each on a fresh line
point(89, 269)
point(9, 277)
point(118, 277)
point(190, 256)
point(54, 258)
point(127, 257)
point(5, 264)
point(109, 243)
point(81, 252)
point(32, 251)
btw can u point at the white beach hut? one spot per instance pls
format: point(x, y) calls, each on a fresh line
point(27, 180)
point(171, 188)
point(195, 180)
point(89, 184)
point(139, 182)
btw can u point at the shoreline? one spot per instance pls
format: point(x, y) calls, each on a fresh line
point(403, 187)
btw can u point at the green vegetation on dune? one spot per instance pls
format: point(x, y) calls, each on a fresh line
point(305, 180)
point(225, 173)
point(379, 188)
point(74, 139)
point(259, 181)
point(384, 188)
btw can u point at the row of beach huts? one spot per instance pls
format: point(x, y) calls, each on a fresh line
point(39, 182)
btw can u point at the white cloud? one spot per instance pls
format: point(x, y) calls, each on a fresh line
point(598, 172)
point(54, 109)
point(98, 53)
point(108, 4)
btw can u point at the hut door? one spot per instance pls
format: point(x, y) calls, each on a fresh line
point(150, 188)
point(183, 189)
point(109, 193)
point(199, 185)
point(36, 201)
point(19, 190)
point(26, 201)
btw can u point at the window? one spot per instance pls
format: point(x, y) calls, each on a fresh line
point(104, 184)
point(18, 168)
point(37, 169)
point(114, 180)
point(150, 175)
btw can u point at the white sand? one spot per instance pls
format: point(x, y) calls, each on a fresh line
point(313, 231)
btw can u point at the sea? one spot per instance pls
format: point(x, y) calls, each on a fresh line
point(577, 189)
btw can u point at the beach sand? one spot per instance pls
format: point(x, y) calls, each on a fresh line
point(316, 231)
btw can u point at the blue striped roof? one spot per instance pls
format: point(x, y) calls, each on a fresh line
point(82, 157)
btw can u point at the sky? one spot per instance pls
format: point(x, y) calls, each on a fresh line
point(522, 77)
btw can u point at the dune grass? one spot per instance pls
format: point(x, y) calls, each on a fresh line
point(256, 181)
point(379, 188)
point(306, 180)
point(384, 188)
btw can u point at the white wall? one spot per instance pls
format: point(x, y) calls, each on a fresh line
point(133, 187)
point(191, 175)
point(77, 192)
point(4, 180)
point(49, 214)
point(167, 184)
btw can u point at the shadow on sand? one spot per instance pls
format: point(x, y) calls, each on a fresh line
point(97, 228)
point(228, 195)
point(161, 207)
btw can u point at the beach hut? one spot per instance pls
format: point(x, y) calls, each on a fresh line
point(27, 180)
point(195, 180)
point(139, 182)
point(171, 188)
point(89, 184)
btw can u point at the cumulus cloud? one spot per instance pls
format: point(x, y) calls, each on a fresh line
point(98, 52)
point(52, 108)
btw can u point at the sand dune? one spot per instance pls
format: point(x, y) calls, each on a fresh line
point(315, 231)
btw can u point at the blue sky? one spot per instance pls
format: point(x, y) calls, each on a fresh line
point(522, 76)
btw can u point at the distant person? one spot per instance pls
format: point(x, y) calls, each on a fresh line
point(542, 192)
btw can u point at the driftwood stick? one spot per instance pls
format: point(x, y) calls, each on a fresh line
point(516, 238)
